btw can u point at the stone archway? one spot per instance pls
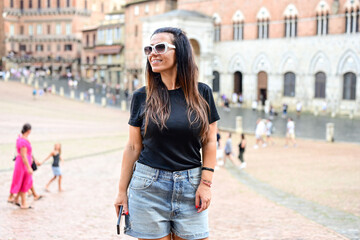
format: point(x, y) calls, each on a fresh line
point(262, 87)
point(238, 82)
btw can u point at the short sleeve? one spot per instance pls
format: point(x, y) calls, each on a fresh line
point(21, 143)
point(208, 96)
point(136, 105)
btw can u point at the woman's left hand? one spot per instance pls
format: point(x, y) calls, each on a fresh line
point(202, 197)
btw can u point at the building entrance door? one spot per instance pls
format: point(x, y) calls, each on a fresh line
point(238, 83)
point(262, 87)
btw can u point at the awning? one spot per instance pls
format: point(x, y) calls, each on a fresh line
point(108, 49)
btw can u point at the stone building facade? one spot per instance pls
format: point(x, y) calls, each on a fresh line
point(279, 51)
point(46, 34)
point(135, 11)
point(110, 48)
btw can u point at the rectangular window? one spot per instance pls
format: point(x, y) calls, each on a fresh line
point(22, 47)
point(58, 28)
point(147, 8)
point(85, 4)
point(48, 3)
point(30, 3)
point(39, 29)
point(109, 36)
point(68, 47)
point(31, 30)
point(49, 47)
point(58, 3)
point(94, 40)
point(12, 30)
point(39, 47)
point(217, 33)
point(109, 59)
point(87, 41)
point(263, 29)
point(48, 29)
point(136, 10)
point(22, 5)
point(68, 28)
point(21, 30)
point(238, 31)
point(11, 3)
point(117, 33)
point(67, 3)
point(39, 4)
point(136, 30)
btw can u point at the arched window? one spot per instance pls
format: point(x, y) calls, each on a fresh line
point(349, 86)
point(320, 85)
point(87, 60)
point(263, 19)
point(217, 27)
point(238, 26)
point(291, 14)
point(289, 84)
point(322, 18)
point(216, 81)
point(94, 60)
point(352, 14)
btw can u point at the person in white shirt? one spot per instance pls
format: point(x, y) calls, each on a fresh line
point(298, 108)
point(259, 132)
point(290, 132)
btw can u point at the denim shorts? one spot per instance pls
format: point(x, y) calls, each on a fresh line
point(161, 202)
point(56, 171)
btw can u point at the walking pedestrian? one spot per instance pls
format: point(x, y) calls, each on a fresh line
point(171, 119)
point(269, 131)
point(298, 108)
point(285, 107)
point(219, 151)
point(242, 147)
point(22, 177)
point(56, 155)
point(228, 149)
point(259, 133)
point(290, 132)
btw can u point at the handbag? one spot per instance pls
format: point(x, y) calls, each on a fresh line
point(33, 166)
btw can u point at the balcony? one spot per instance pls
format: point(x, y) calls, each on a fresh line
point(44, 38)
point(47, 11)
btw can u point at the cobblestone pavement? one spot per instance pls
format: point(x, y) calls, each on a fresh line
point(91, 171)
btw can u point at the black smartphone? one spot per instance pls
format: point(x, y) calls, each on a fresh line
point(119, 220)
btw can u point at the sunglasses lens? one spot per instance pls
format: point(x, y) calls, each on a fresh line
point(147, 50)
point(160, 48)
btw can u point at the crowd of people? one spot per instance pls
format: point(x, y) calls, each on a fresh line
point(22, 184)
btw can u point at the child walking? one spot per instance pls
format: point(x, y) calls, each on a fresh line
point(56, 154)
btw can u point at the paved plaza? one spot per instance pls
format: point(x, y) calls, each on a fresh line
point(308, 192)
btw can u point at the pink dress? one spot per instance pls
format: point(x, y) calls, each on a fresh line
point(22, 181)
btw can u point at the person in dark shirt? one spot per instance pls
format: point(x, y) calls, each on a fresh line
point(171, 119)
point(56, 154)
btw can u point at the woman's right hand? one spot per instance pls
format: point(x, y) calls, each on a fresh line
point(30, 171)
point(121, 199)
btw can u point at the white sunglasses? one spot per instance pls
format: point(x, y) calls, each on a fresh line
point(159, 48)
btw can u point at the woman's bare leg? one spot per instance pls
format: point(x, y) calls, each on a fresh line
point(60, 189)
point(47, 185)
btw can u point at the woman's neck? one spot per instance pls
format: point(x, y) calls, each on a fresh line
point(169, 79)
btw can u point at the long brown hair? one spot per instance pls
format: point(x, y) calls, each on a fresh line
point(157, 97)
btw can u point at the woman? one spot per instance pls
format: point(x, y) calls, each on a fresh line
point(22, 178)
point(171, 119)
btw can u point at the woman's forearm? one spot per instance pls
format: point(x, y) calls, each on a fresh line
point(25, 161)
point(130, 156)
point(209, 159)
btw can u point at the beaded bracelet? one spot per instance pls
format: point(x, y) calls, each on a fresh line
point(207, 183)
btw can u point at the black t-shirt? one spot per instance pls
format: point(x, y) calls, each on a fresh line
point(176, 147)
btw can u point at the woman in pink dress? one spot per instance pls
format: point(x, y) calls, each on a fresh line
point(22, 178)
